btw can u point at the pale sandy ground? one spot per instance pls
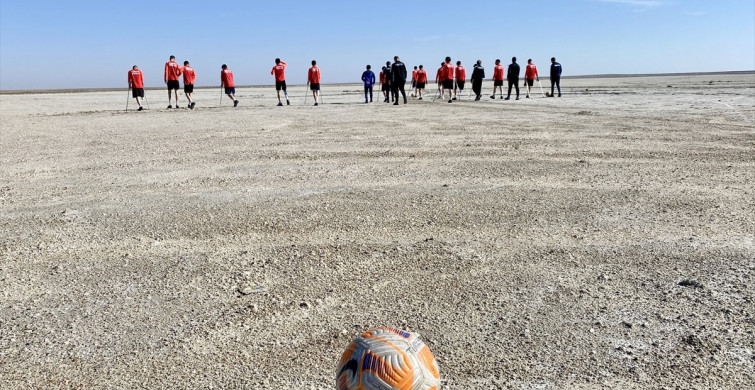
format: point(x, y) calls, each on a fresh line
point(537, 244)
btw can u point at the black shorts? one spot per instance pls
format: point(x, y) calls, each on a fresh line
point(137, 92)
point(460, 84)
point(188, 88)
point(529, 82)
point(230, 90)
point(386, 87)
point(173, 84)
point(280, 85)
point(414, 83)
point(497, 83)
point(421, 85)
point(314, 86)
point(448, 84)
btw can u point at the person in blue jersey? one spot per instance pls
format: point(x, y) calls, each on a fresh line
point(555, 76)
point(368, 78)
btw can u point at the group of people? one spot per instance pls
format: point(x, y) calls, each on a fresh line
point(392, 78)
point(452, 79)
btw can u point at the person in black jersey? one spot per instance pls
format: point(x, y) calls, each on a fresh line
point(513, 77)
point(478, 73)
point(398, 74)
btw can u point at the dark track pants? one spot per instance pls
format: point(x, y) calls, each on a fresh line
point(513, 83)
point(398, 86)
point(477, 87)
point(556, 83)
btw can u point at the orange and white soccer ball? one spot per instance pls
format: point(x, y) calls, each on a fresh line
point(387, 359)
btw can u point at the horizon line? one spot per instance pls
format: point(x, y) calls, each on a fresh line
point(587, 76)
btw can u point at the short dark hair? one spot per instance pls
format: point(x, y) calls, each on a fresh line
point(186, 62)
point(513, 59)
point(553, 58)
point(448, 59)
point(172, 57)
point(458, 62)
point(369, 67)
point(529, 60)
point(415, 66)
point(277, 60)
point(223, 67)
point(420, 66)
point(133, 67)
point(314, 62)
point(387, 62)
point(497, 61)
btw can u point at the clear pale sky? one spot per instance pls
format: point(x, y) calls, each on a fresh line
point(83, 44)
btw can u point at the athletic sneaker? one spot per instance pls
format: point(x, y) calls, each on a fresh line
point(235, 103)
point(404, 100)
point(528, 96)
point(192, 105)
point(454, 98)
point(288, 103)
point(492, 96)
point(365, 101)
point(315, 103)
point(140, 108)
point(395, 104)
point(559, 95)
point(169, 106)
point(507, 98)
point(280, 104)
point(419, 98)
point(517, 98)
point(450, 101)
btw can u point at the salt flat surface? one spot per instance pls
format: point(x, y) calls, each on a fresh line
point(602, 239)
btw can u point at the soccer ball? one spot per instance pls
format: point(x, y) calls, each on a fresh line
point(387, 359)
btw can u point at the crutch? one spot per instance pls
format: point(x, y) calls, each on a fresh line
point(128, 97)
point(306, 93)
point(541, 87)
point(221, 96)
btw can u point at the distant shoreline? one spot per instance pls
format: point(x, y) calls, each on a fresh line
point(595, 76)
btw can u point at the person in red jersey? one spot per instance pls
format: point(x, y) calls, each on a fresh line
point(448, 79)
point(170, 76)
point(461, 76)
point(497, 78)
point(440, 76)
point(313, 79)
point(189, 77)
point(279, 71)
point(226, 81)
point(414, 81)
point(421, 81)
point(136, 84)
point(530, 75)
